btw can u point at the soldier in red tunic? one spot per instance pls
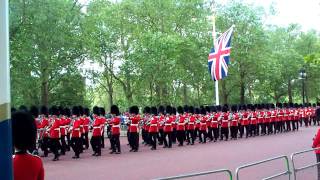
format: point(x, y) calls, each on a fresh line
point(54, 133)
point(191, 122)
point(25, 165)
point(62, 130)
point(67, 114)
point(134, 128)
point(103, 121)
point(225, 123)
point(145, 128)
point(167, 129)
point(42, 128)
point(76, 140)
point(203, 125)
point(234, 122)
point(174, 125)
point(115, 130)
point(95, 140)
point(215, 123)
point(180, 126)
point(153, 129)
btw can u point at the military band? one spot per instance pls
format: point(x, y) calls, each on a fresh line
point(61, 128)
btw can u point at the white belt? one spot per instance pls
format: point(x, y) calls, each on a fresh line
point(180, 123)
point(253, 118)
point(115, 125)
point(134, 124)
point(86, 125)
point(167, 124)
point(153, 125)
point(191, 123)
point(81, 125)
point(62, 127)
point(96, 127)
point(57, 129)
point(203, 124)
point(77, 129)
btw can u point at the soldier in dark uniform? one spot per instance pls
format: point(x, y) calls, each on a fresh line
point(34, 111)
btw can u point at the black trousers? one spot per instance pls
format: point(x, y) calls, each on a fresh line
point(144, 136)
point(215, 133)
point(95, 142)
point(191, 136)
point(180, 137)
point(288, 126)
point(167, 143)
point(134, 140)
point(247, 130)
point(102, 140)
point(203, 136)
point(174, 135)
point(63, 144)
point(241, 130)
point(224, 132)
point(153, 139)
point(68, 141)
point(115, 143)
point(76, 144)
point(209, 134)
point(160, 136)
point(44, 145)
point(55, 146)
point(234, 132)
point(318, 166)
point(86, 140)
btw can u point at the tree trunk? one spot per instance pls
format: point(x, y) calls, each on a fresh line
point(242, 91)
point(45, 92)
point(151, 93)
point(185, 98)
point(289, 91)
point(198, 95)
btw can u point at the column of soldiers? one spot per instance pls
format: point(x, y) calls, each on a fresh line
point(62, 129)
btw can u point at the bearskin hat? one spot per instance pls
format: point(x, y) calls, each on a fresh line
point(174, 111)
point(154, 110)
point(114, 110)
point(208, 108)
point(34, 111)
point(23, 108)
point(213, 109)
point(146, 110)
point(191, 109)
point(185, 108)
point(225, 108)
point(13, 109)
point(161, 109)
point(60, 110)
point(24, 130)
point(134, 110)
point(168, 109)
point(218, 108)
point(203, 111)
point(75, 111)
point(95, 110)
point(197, 111)
point(54, 110)
point(86, 111)
point(102, 111)
point(234, 108)
point(67, 112)
point(81, 110)
point(180, 109)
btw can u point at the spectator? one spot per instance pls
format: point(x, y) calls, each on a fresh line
point(25, 165)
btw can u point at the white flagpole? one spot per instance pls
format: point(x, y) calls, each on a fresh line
point(5, 128)
point(214, 35)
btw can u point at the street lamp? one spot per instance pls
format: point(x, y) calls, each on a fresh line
point(303, 76)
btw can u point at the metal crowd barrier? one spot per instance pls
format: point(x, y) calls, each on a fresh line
point(287, 172)
point(295, 169)
point(228, 172)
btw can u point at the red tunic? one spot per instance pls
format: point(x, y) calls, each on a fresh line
point(181, 123)
point(225, 120)
point(42, 127)
point(154, 125)
point(96, 132)
point(115, 129)
point(260, 117)
point(235, 119)
point(55, 129)
point(191, 123)
point(86, 122)
point(168, 124)
point(76, 130)
point(214, 121)
point(27, 167)
point(316, 142)
point(245, 120)
point(253, 118)
point(203, 123)
point(62, 126)
point(134, 126)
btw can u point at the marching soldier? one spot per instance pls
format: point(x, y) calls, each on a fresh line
point(67, 114)
point(115, 130)
point(76, 140)
point(103, 120)
point(153, 130)
point(168, 128)
point(203, 126)
point(215, 123)
point(34, 111)
point(134, 128)
point(86, 123)
point(55, 134)
point(145, 127)
point(96, 132)
point(62, 131)
point(191, 120)
point(174, 124)
point(181, 126)
point(161, 124)
point(42, 128)
point(225, 123)
point(234, 122)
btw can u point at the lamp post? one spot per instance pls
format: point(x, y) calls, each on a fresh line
point(303, 76)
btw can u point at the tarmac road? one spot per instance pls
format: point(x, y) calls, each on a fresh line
point(147, 164)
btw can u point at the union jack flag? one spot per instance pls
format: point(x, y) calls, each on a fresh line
point(219, 56)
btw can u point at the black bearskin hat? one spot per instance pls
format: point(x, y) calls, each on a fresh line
point(168, 109)
point(102, 111)
point(24, 130)
point(75, 111)
point(225, 108)
point(191, 109)
point(197, 111)
point(234, 108)
point(23, 108)
point(154, 110)
point(67, 112)
point(146, 110)
point(134, 110)
point(174, 111)
point(81, 110)
point(96, 110)
point(185, 108)
point(13, 109)
point(115, 110)
point(86, 111)
point(54, 110)
point(44, 110)
point(180, 109)
point(161, 109)
point(203, 111)
point(34, 111)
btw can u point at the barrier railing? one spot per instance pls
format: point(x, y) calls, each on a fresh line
point(287, 172)
point(228, 173)
point(295, 169)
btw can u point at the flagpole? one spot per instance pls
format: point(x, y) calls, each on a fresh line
point(214, 35)
point(5, 125)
